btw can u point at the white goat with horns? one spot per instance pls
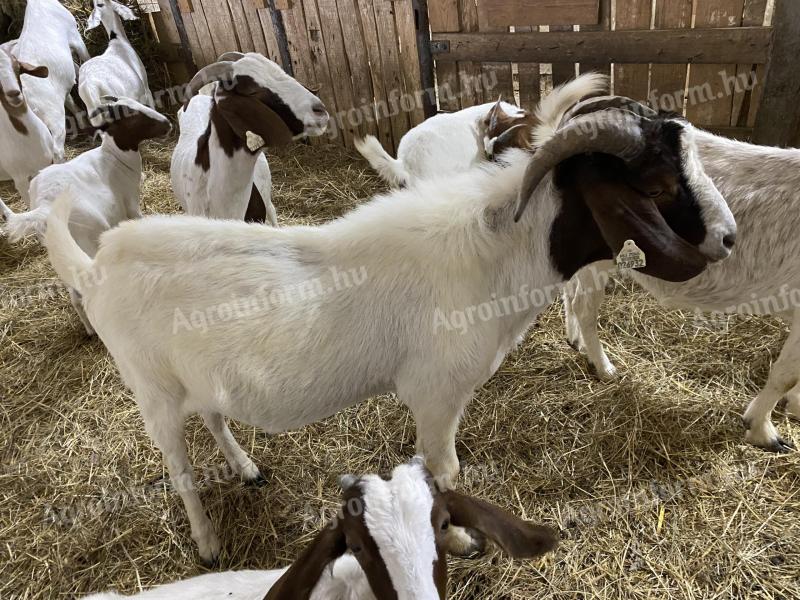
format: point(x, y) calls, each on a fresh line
point(762, 276)
point(218, 167)
point(388, 542)
point(119, 71)
point(284, 327)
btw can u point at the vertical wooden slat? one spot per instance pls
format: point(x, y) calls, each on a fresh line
point(469, 72)
point(392, 73)
point(443, 15)
point(359, 65)
point(668, 82)
point(562, 72)
point(268, 29)
point(240, 26)
point(528, 79)
point(197, 19)
point(254, 23)
point(409, 57)
point(219, 23)
point(603, 25)
point(632, 80)
point(370, 31)
point(498, 72)
point(706, 81)
point(747, 98)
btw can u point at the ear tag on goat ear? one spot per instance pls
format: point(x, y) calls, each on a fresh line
point(255, 141)
point(631, 256)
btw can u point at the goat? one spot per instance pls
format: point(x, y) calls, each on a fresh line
point(218, 169)
point(388, 541)
point(27, 144)
point(118, 71)
point(108, 179)
point(447, 143)
point(367, 303)
point(50, 39)
point(760, 277)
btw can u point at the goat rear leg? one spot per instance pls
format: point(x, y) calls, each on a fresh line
point(77, 304)
point(239, 461)
point(783, 376)
point(793, 402)
point(166, 429)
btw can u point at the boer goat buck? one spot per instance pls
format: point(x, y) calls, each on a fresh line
point(218, 168)
point(762, 275)
point(288, 344)
point(387, 543)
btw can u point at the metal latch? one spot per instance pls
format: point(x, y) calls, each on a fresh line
point(440, 46)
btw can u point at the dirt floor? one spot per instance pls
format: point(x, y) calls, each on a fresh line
point(648, 477)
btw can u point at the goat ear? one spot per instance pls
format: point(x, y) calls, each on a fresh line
point(28, 69)
point(123, 11)
point(250, 119)
point(300, 579)
point(517, 538)
point(94, 20)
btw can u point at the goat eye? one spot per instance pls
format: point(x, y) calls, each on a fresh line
point(355, 549)
point(655, 193)
point(445, 525)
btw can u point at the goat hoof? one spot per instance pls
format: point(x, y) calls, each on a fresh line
point(258, 481)
point(210, 563)
point(766, 436)
point(782, 446)
point(573, 344)
point(747, 423)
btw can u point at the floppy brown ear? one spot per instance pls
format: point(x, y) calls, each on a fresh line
point(247, 114)
point(301, 578)
point(28, 69)
point(517, 538)
point(623, 214)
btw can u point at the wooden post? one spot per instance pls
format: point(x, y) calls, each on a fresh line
point(423, 26)
point(280, 35)
point(778, 118)
point(186, 49)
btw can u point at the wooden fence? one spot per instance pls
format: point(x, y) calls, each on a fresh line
point(697, 56)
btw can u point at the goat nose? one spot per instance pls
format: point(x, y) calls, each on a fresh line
point(319, 109)
point(729, 240)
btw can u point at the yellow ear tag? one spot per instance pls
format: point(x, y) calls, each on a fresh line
point(255, 141)
point(631, 256)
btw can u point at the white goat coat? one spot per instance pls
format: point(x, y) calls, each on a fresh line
point(49, 37)
point(345, 581)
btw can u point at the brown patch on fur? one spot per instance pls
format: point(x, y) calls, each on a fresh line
point(497, 122)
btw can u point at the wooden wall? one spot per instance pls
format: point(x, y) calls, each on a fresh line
point(360, 54)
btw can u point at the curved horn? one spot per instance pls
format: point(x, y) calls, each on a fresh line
point(591, 105)
point(615, 132)
point(231, 56)
point(507, 137)
point(214, 72)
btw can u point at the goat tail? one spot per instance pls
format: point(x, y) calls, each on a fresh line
point(552, 108)
point(71, 263)
point(22, 225)
point(390, 169)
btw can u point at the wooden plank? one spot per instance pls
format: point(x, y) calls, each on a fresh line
point(297, 42)
point(505, 13)
point(747, 97)
point(381, 115)
point(562, 71)
point(268, 30)
point(529, 78)
point(240, 27)
point(185, 6)
point(220, 25)
point(739, 45)
point(668, 82)
point(443, 16)
point(359, 66)
point(250, 9)
point(426, 69)
point(175, 32)
point(778, 120)
point(409, 58)
point(497, 74)
point(604, 24)
point(712, 79)
point(198, 20)
point(632, 80)
point(469, 72)
point(392, 72)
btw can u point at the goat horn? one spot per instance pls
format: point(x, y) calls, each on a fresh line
point(217, 71)
point(610, 131)
point(605, 102)
point(506, 136)
point(231, 56)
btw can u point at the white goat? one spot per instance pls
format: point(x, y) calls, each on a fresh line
point(412, 292)
point(762, 275)
point(50, 39)
point(27, 146)
point(394, 533)
point(107, 179)
point(447, 143)
point(218, 169)
point(119, 70)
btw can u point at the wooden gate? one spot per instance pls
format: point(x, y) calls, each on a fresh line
point(717, 61)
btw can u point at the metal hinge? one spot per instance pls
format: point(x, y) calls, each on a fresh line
point(440, 46)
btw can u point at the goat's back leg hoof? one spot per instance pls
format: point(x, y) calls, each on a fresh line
point(792, 406)
point(254, 480)
point(209, 548)
point(765, 435)
point(465, 542)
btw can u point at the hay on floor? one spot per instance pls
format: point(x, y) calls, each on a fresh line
point(647, 476)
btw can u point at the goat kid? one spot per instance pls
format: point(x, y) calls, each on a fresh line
point(50, 38)
point(426, 252)
point(388, 541)
point(218, 167)
point(450, 143)
point(106, 179)
point(118, 71)
point(760, 185)
point(27, 146)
